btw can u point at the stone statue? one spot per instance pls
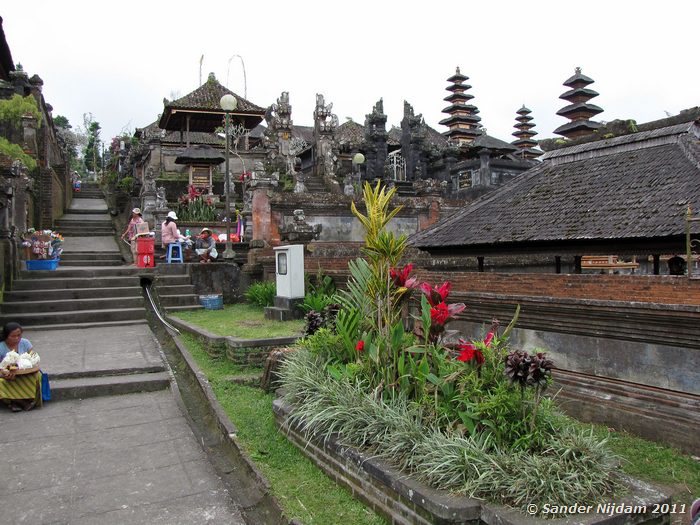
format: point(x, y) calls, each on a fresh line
point(298, 230)
point(161, 200)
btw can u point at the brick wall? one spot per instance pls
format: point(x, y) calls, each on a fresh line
point(51, 197)
point(638, 288)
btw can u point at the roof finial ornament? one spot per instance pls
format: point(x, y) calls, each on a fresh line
point(578, 70)
point(458, 70)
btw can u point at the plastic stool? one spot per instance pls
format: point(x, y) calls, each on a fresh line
point(174, 253)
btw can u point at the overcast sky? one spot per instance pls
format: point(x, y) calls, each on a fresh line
point(118, 60)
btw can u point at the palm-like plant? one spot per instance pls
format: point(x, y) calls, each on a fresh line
point(383, 250)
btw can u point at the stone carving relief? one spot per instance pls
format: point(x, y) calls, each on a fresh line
point(298, 230)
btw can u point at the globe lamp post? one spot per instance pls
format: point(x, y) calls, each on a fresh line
point(228, 103)
point(357, 160)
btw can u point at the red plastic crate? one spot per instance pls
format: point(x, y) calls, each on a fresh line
point(145, 260)
point(145, 245)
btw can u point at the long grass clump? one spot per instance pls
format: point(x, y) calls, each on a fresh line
point(572, 461)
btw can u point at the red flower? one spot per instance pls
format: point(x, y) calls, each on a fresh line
point(467, 352)
point(488, 339)
point(437, 294)
point(401, 279)
point(360, 346)
point(439, 313)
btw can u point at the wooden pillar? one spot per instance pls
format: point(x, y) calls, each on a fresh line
point(188, 130)
point(480, 261)
point(577, 264)
point(557, 263)
point(657, 264)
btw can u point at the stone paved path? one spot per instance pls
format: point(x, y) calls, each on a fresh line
point(115, 459)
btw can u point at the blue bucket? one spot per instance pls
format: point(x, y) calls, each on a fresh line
point(212, 302)
point(42, 264)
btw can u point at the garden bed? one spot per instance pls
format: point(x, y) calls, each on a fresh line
point(240, 351)
point(407, 501)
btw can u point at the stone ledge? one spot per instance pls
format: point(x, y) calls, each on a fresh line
point(406, 501)
point(234, 348)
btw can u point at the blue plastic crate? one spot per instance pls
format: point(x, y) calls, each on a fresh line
point(212, 302)
point(42, 264)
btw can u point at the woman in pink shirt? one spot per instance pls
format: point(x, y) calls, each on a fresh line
point(130, 232)
point(168, 231)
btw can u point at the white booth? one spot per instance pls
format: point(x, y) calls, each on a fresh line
point(289, 272)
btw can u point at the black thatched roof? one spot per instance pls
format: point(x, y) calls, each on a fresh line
point(6, 64)
point(152, 131)
point(631, 190)
point(484, 141)
point(200, 154)
point(202, 106)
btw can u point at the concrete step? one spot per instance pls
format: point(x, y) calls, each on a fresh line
point(86, 232)
point(70, 305)
point(83, 263)
point(83, 387)
point(64, 273)
point(75, 316)
point(176, 289)
point(183, 308)
point(178, 300)
point(71, 294)
point(80, 326)
point(94, 256)
point(173, 280)
point(105, 372)
point(59, 282)
point(88, 194)
point(80, 211)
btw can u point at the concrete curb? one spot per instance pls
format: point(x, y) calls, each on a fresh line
point(218, 436)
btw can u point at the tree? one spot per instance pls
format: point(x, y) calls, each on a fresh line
point(91, 153)
point(74, 142)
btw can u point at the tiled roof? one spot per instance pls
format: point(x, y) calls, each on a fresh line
point(201, 110)
point(304, 132)
point(207, 97)
point(350, 133)
point(632, 187)
point(394, 136)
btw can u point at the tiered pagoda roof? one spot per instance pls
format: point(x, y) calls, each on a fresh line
point(463, 120)
point(524, 134)
point(579, 111)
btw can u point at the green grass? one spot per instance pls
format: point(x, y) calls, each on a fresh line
point(305, 492)
point(658, 464)
point(244, 321)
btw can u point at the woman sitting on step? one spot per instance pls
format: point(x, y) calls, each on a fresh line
point(205, 246)
point(18, 391)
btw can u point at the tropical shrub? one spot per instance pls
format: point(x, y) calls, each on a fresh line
point(261, 293)
point(467, 416)
point(195, 206)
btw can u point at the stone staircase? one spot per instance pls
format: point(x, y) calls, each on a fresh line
point(89, 190)
point(70, 298)
point(314, 184)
